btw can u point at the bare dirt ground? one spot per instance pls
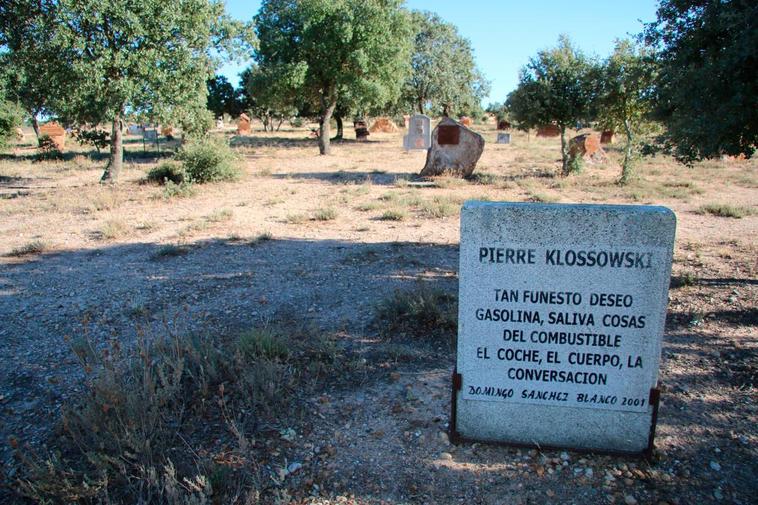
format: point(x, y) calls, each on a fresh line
point(325, 239)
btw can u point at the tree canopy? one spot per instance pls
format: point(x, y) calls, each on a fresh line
point(558, 86)
point(123, 57)
point(323, 48)
point(708, 85)
point(627, 83)
point(444, 76)
point(222, 97)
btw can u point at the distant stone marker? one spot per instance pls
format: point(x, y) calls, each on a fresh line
point(419, 133)
point(150, 134)
point(503, 138)
point(549, 130)
point(586, 146)
point(243, 124)
point(561, 315)
point(56, 133)
point(361, 130)
point(383, 125)
point(607, 137)
point(455, 150)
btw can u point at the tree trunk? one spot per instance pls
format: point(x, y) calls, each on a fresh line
point(324, 145)
point(445, 110)
point(113, 169)
point(627, 170)
point(35, 125)
point(564, 153)
point(281, 120)
point(340, 130)
point(420, 106)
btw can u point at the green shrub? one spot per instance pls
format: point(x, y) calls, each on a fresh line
point(10, 119)
point(209, 161)
point(167, 171)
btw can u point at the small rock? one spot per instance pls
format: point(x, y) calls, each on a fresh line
point(588, 472)
point(446, 456)
point(628, 482)
point(630, 500)
point(294, 467)
point(564, 456)
point(718, 494)
point(550, 493)
point(715, 466)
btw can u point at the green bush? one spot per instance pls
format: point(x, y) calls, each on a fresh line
point(167, 171)
point(10, 119)
point(209, 161)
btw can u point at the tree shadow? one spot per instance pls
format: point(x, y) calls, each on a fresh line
point(213, 288)
point(356, 177)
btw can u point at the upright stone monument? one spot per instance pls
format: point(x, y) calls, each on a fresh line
point(455, 150)
point(243, 124)
point(503, 138)
point(56, 133)
point(561, 315)
point(419, 133)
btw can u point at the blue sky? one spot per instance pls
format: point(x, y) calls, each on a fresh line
point(506, 33)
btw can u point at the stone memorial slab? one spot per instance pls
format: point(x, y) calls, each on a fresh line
point(455, 150)
point(561, 315)
point(419, 133)
point(243, 124)
point(503, 138)
point(56, 133)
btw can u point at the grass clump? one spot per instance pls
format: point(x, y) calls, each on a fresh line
point(393, 215)
point(438, 208)
point(325, 214)
point(184, 189)
point(296, 218)
point(169, 251)
point(172, 419)
point(542, 198)
point(112, 229)
point(725, 210)
point(423, 313)
point(219, 216)
point(33, 247)
point(209, 161)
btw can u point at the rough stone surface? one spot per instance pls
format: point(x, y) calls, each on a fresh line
point(456, 159)
point(243, 124)
point(586, 146)
point(588, 411)
point(56, 133)
point(383, 125)
point(549, 130)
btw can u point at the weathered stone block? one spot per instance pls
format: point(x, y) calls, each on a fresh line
point(455, 150)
